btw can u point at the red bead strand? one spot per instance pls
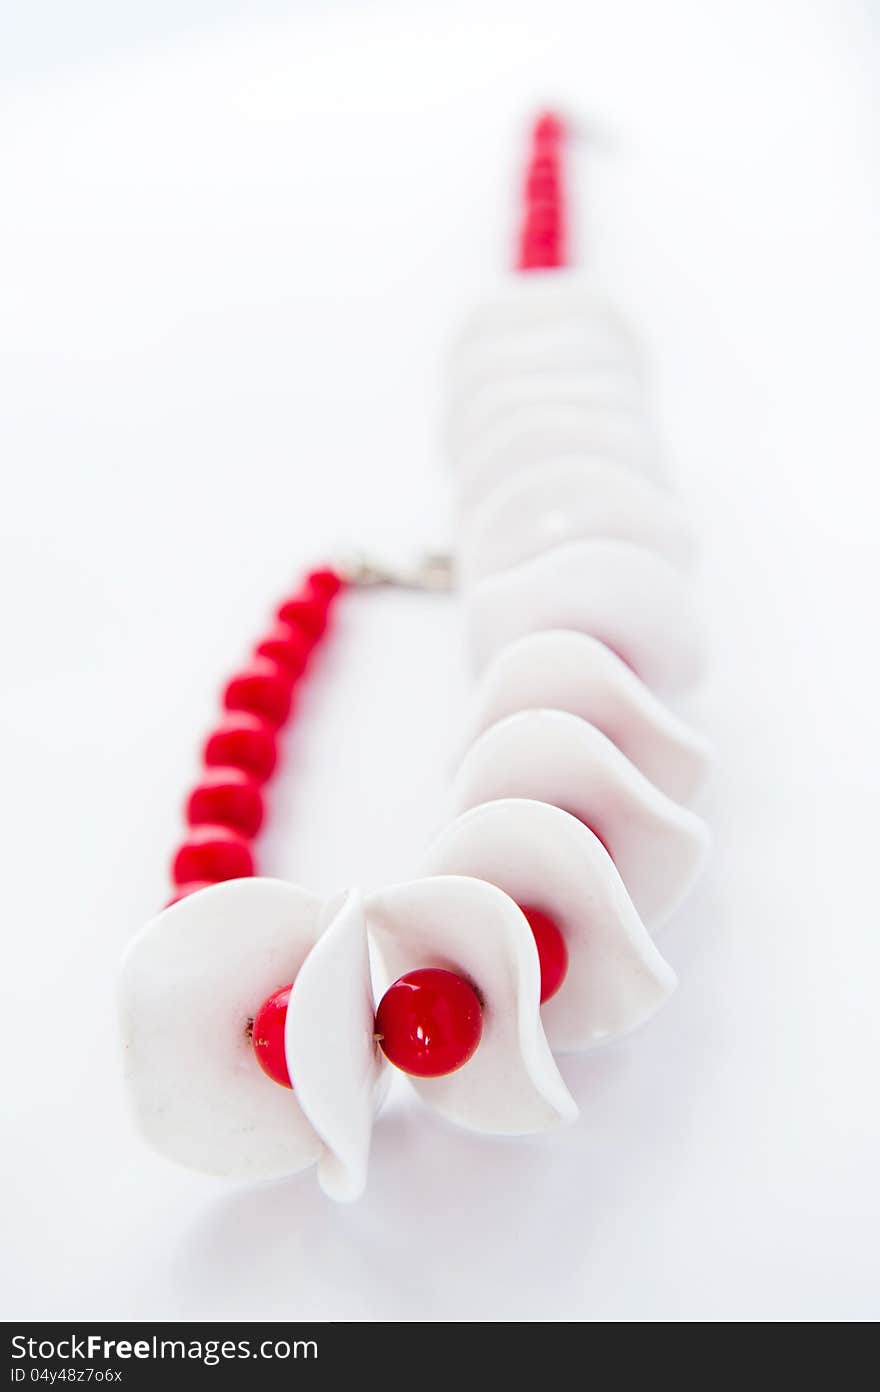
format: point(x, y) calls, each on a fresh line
point(227, 797)
point(225, 809)
point(264, 688)
point(244, 741)
point(542, 233)
point(307, 613)
point(212, 853)
point(288, 646)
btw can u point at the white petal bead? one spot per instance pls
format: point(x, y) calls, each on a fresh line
point(338, 1071)
point(551, 756)
point(528, 308)
point(476, 408)
point(532, 435)
point(191, 979)
point(570, 499)
point(631, 599)
point(559, 348)
point(544, 858)
point(561, 670)
point(511, 1085)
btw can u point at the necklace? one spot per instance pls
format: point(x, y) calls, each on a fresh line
point(256, 1041)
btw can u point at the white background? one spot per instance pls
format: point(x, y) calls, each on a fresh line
point(235, 247)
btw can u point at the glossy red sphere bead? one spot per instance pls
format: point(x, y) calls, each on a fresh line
point(243, 740)
point(324, 584)
point(212, 853)
point(545, 220)
point(227, 797)
point(307, 612)
point(286, 645)
point(185, 890)
point(542, 181)
point(548, 129)
point(267, 1036)
point(430, 1022)
point(552, 951)
point(538, 258)
point(264, 688)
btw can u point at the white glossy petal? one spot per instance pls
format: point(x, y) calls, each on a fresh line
point(544, 351)
point(532, 305)
point(339, 1073)
point(555, 757)
point(532, 435)
point(191, 979)
point(544, 858)
point(563, 670)
point(629, 598)
point(536, 435)
point(475, 406)
point(570, 499)
point(511, 1085)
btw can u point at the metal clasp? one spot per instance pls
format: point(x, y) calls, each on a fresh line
point(433, 571)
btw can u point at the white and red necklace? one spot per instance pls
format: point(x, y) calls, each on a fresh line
point(254, 1044)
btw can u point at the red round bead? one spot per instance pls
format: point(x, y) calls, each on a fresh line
point(286, 645)
point(264, 688)
point(544, 221)
point(324, 584)
point(552, 951)
point(542, 182)
point(227, 797)
point(539, 258)
point(243, 740)
point(548, 129)
point(185, 890)
point(306, 612)
point(212, 853)
point(267, 1036)
point(430, 1022)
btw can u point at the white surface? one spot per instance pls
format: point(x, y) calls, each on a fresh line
point(231, 259)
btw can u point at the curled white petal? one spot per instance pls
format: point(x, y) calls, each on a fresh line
point(511, 1085)
point(567, 671)
point(544, 858)
point(191, 980)
point(541, 310)
point(629, 598)
point(570, 499)
point(338, 1071)
point(475, 406)
point(531, 435)
point(540, 354)
point(555, 757)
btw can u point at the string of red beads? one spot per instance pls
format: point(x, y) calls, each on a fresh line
point(224, 811)
point(542, 234)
